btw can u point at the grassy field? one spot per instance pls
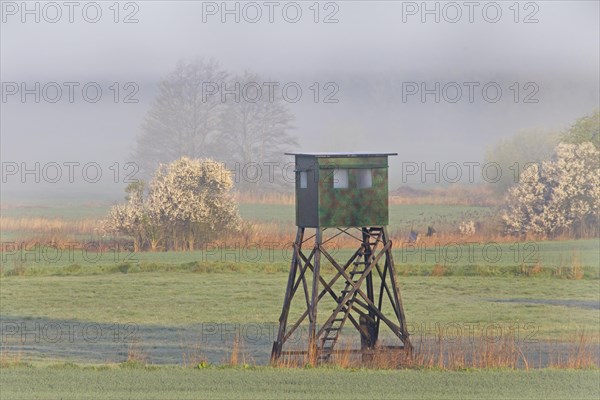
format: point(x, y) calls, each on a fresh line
point(557, 308)
point(546, 290)
point(401, 215)
point(265, 383)
point(558, 259)
point(59, 210)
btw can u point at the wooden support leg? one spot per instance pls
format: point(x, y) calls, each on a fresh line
point(368, 338)
point(396, 293)
point(368, 253)
point(312, 337)
point(278, 344)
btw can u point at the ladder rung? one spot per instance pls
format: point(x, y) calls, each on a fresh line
point(332, 329)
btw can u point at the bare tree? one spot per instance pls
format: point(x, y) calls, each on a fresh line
point(514, 154)
point(181, 121)
point(255, 127)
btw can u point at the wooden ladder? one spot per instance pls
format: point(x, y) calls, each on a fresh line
point(333, 328)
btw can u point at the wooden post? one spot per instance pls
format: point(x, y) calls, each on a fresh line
point(312, 315)
point(278, 344)
point(396, 293)
point(368, 253)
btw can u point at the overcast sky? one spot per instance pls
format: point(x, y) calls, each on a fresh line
point(373, 50)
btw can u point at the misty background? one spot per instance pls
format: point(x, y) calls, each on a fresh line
point(368, 54)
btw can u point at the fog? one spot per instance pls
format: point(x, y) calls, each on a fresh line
point(373, 54)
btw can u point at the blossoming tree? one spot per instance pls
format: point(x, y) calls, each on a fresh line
point(189, 201)
point(560, 196)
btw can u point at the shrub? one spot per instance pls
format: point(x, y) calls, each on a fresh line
point(188, 202)
point(557, 196)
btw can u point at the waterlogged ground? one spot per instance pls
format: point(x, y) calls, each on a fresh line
point(40, 339)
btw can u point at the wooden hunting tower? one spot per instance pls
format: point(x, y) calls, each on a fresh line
point(347, 195)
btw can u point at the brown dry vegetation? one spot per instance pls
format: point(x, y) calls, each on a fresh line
point(50, 226)
point(463, 353)
point(78, 233)
point(62, 232)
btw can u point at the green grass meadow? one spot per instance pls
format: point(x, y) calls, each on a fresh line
point(549, 290)
point(64, 382)
point(180, 298)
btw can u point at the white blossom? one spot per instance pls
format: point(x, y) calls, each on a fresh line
point(189, 201)
point(557, 196)
point(467, 228)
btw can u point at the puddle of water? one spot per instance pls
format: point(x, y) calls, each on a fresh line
point(586, 304)
point(85, 342)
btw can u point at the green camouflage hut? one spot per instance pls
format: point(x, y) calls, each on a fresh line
point(341, 189)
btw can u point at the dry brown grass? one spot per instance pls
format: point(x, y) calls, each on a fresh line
point(50, 226)
point(531, 270)
point(460, 354)
point(579, 357)
point(62, 232)
point(573, 270)
point(238, 355)
point(10, 357)
point(439, 270)
point(254, 234)
point(234, 357)
point(576, 271)
point(290, 361)
point(192, 355)
point(474, 353)
point(136, 353)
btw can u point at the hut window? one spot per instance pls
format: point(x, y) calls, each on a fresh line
point(340, 179)
point(364, 178)
point(303, 179)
